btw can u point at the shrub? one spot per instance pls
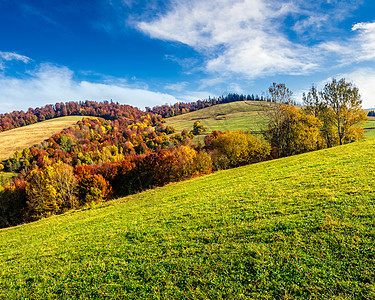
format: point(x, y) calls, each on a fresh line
point(239, 148)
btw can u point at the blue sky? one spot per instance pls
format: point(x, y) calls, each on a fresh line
point(147, 53)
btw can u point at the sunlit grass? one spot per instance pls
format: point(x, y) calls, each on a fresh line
point(20, 138)
point(295, 228)
point(369, 127)
point(243, 115)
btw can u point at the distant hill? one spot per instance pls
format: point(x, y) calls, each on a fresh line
point(369, 127)
point(299, 227)
point(240, 115)
point(20, 138)
point(106, 110)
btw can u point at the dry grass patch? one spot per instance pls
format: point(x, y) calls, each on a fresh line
point(20, 138)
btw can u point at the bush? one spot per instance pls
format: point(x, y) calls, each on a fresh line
point(239, 148)
point(92, 187)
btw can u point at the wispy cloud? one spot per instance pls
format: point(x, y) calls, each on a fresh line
point(242, 37)
point(253, 38)
point(364, 79)
point(51, 84)
point(10, 56)
point(360, 47)
point(14, 56)
point(365, 40)
point(179, 86)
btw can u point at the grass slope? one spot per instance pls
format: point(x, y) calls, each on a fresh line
point(299, 227)
point(20, 138)
point(242, 115)
point(369, 127)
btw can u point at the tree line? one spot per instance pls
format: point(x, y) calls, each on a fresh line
point(167, 111)
point(330, 117)
point(106, 110)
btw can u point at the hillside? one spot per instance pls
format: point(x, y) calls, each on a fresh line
point(299, 227)
point(243, 115)
point(20, 138)
point(369, 127)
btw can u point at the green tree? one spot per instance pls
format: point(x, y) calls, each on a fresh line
point(345, 103)
point(296, 132)
point(280, 96)
point(198, 128)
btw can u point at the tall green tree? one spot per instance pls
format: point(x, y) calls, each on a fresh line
point(316, 106)
point(280, 95)
point(339, 107)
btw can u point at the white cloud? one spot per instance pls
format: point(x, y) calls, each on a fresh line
point(210, 82)
point(359, 48)
point(314, 21)
point(14, 56)
point(364, 79)
point(51, 84)
point(364, 43)
point(180, 86)
point(241, 37)
point(9, 56)
point(192, 96)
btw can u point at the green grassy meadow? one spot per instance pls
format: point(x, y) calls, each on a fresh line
point(369, 127)
point(242, 115)
point(300, 227)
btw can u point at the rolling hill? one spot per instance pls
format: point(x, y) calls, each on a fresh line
point(23, 137)
point(299, 227)
point(369, 127)
point(242, 115)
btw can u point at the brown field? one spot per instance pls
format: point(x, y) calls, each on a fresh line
point(20, 138)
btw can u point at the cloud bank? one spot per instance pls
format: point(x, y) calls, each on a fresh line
point(236, 36)
point(49, 84)
point(259, 38)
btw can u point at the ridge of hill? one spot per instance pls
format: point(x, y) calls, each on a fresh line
point(23, 137)
point(240, 115)
point(105, 109)
point(298, 227)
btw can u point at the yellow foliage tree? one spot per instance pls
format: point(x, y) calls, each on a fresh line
point(345, 104)
point(241, 148)
point(51, 190)
point(295, 132)
point(185, 156)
